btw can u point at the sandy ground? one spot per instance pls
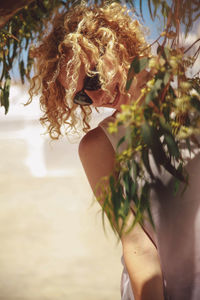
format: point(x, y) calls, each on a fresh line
point(52, 244)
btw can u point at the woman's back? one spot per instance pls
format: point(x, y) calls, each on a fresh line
point(177, 223)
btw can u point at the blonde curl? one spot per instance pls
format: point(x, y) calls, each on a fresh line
point(88, 33)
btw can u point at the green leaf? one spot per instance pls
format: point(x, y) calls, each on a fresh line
point(141, 9)
point(126, 207)
point(22, 70)
point(150, 10)
point(148, 112)
point(166, 113)
point(158, 84)
point(155, 8)
point(176, 186)
point(160, 50)
point(133, 190)
point(5, 91)
point(126, 180)
point(153, 94)
point(172, 146)
point(138, 64)
point(150, 137)
point(166, 78)
point(144, 196)
point(188, 145)
point(177, 182)
point(149, 213)
point(195, 103)
point(128, 135)
point(112, 183)
point(145, 159)
point(128, 83)
point(165, 125)
point(147, 133)
point(171, 91)
point(136, 169)
point(121, 141)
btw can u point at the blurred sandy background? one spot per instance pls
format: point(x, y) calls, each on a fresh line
point(52, 244)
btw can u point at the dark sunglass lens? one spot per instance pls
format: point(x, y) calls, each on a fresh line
point(92, 83)
point(82, 98)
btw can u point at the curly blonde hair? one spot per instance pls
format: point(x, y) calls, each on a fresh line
point(88, 32)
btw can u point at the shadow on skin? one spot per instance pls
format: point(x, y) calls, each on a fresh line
point(147, 292)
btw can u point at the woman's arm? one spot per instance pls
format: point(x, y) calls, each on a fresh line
point(98, 159)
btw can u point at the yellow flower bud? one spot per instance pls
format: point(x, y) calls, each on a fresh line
point(151, 83)
point(173, 62)
point(153, 62)
point(162, 61)
point(185, 85)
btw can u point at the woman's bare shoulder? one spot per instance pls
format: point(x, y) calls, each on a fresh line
point(95, 140)
point(97, 155)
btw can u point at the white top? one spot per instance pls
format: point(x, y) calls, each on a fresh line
point(177, 235)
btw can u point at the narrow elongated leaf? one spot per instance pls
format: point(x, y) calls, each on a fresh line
point(165, 125)
point(166, 51)
point(176, 186)
point(126, 181)
point(195, 103)
point(137, 65)
point(145, 158)
point(22, 70)
point(160, 50)
point(158, 84)
point(166, 113)
point(147, 133)
point(133, 190)
point(153, 94)
point(148, 113)
point(135, 170)
point(141, 8)
point(155, 3)
point(151, 138)
point(5, 91)
point(188, 145)
point(144, 196)
point(172, 146)
point(150, 214)
point(166, 78)
point(150, 10)
point(121, 141)
point(126, 208)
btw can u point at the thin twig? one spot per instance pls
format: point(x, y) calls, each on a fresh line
point(191, 45)
point(198, 73)
point(149, 46)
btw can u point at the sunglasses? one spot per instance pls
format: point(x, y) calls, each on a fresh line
point(91, 84)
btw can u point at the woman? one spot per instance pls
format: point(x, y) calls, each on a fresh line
point(84, 61)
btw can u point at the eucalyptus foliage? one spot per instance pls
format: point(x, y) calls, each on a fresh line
point(164, 120)
point(160, 125)
point(16, 37)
